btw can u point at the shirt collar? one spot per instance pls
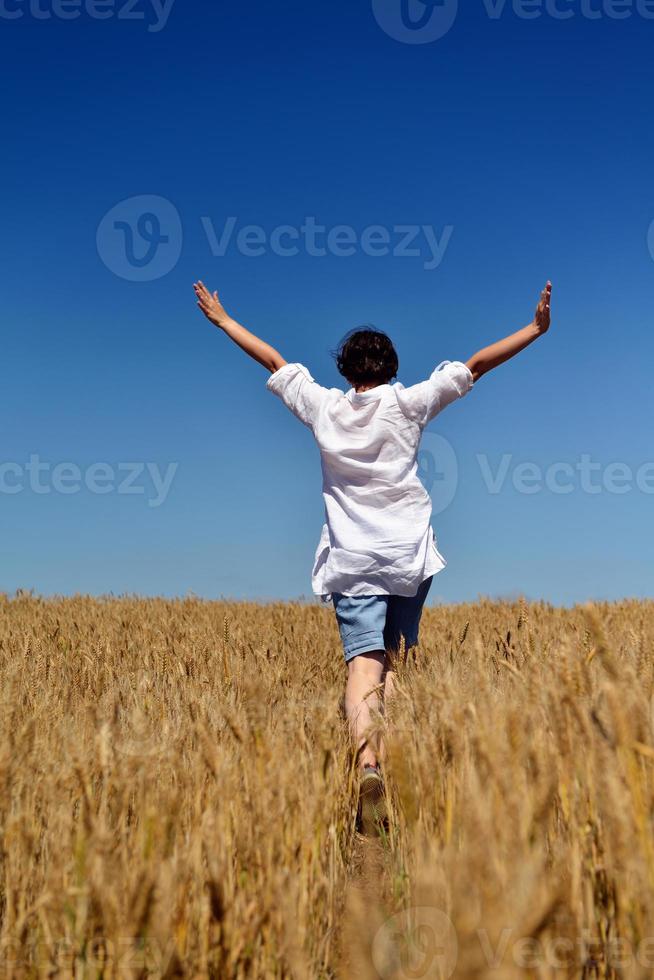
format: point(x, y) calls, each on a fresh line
point(369, 395)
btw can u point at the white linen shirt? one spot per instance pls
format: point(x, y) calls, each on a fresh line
point(377, 538)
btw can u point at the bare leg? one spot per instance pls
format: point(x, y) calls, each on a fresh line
point(364, 675)
point(389, 684)
point(390, 672)
point(388, 680)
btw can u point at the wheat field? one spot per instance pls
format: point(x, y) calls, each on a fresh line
point(177, 796)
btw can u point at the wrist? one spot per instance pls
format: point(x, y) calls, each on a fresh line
point(223, 322)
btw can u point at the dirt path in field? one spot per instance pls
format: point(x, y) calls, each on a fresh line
point(367, 895)
point(368, 868)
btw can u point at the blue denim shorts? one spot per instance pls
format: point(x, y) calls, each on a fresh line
point(378, 622)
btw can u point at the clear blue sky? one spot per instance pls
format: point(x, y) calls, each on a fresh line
point(530, 139)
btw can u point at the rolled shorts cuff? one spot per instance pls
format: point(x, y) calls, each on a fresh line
point(371, 641)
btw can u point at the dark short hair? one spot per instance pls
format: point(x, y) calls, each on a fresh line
point(365, 355)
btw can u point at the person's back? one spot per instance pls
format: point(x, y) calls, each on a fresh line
point(377, 537)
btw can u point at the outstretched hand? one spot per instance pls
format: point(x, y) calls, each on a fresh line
point(543, 312)
point(210, 305)
point(257, 349)
point(490, 357)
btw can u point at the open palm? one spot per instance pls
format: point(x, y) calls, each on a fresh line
point(210, 305)
point(543, 311)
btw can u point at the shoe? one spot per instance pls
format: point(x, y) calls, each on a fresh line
point(372, 802)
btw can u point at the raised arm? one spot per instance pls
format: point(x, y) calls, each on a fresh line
point(488, 358)
point(257, 349)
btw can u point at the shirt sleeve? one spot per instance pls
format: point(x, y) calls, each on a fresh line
point(422, 402)
point(299, 392)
